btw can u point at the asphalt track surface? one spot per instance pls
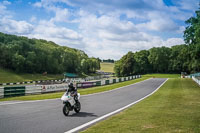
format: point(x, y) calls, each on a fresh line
point(47, 117)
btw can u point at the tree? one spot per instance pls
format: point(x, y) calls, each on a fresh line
point(192, 37)
point(18, 62)
point(159, 58)
point(142, 63)
point(192, 31)
point(84, 66)
point(117, 68)
point(176, 61)
point(125, 66)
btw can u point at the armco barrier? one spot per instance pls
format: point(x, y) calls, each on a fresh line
point(196, 80)
point(86, 84)
point(110, 81)
point(51, 88)
point(98, 83)
point(117, 80)
point(14, 91)
point(37, 89)
point(1, 92)
point(107, 82)
point(103, 82)
point(28, 82)
point(33, 90)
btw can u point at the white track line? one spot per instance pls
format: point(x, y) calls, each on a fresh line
point(109, 114)
point(59, 98)
point(27, 101)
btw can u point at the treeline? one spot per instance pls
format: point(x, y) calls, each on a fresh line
point(179, 58)
point(38, 56)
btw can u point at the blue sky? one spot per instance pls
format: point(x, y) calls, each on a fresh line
point(101, 28)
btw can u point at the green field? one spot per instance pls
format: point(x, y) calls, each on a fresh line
point(175, 107)
point(7, 76)
point(107, 67)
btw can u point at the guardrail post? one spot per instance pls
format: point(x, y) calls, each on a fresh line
point(1, 92)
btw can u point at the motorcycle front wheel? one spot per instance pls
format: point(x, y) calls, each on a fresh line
point(77, 107)
point(65, 110)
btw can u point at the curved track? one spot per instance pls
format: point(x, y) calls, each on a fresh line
point(47, 117)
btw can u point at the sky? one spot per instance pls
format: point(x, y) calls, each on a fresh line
point(107, 29)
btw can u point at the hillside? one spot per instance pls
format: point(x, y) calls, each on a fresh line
point(8, 76)
point(24, 55)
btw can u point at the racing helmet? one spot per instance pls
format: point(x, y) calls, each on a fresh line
point(70, 85)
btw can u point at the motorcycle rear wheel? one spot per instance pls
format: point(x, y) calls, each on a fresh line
point(77, 107)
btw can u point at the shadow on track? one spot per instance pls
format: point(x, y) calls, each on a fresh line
point(83, 114)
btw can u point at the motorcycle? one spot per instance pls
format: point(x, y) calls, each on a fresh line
point(70, 104)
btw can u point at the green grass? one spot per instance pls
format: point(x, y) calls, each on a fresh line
point(7, 76)
point(175, 107)
point(107, 67)
point(81, 91)
point(157, 75)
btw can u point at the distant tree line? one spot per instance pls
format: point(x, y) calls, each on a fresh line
point(37, 56)
point(179, 58)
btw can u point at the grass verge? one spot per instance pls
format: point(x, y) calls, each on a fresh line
point(81, 91)
point(174, 108)
point(158, 75)
point(8, 76)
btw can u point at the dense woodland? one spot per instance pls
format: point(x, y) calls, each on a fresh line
point(179, 58)
point(38, 56)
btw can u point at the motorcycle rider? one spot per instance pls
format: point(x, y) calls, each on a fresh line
point(73, 91)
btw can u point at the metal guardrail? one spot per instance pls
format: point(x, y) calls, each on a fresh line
point(197, 80)
point(105, 81)
point(30, 82)
point(1, 92)
point(12, 91)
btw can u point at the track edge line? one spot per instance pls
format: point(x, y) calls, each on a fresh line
point(111, 113)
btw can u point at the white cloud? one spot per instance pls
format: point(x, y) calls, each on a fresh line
point(11, 26)
point(114, 37)
point(165, 25)
point(5, 2)
point(173, 41)
point(60, 35)
point(37, 4)
point(3, 8)
point(187, 4)
point(61, 15)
